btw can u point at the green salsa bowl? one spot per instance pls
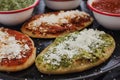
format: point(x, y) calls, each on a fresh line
point(14, 12)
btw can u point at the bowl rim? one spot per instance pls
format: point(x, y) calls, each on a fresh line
point(100, 12)
point(21, 10)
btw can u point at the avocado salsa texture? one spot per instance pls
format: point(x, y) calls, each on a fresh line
point(7, 5)
point(87, 46)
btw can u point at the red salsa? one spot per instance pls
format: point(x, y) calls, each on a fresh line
point(16, 62)
point(110, 6)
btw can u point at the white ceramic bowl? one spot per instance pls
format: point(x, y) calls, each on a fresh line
point(15, 17)
point(107, 20)
point(62, 4)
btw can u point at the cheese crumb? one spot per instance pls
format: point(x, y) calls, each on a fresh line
point(74, 45)
point(10, 47)
point(53, 19)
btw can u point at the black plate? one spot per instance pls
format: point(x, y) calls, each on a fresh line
point(34, 74)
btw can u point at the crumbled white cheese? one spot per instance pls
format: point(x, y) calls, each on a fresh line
point(62, 17)
point(71, 47)
point(2, 34)
point(11, 48)
point(85, 39)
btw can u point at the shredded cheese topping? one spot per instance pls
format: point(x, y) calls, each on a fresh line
point(74, 45)
point(11, 48)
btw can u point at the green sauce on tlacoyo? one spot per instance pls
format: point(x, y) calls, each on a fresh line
point(87, 45)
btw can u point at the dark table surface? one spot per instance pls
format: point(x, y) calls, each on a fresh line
point(113, 74)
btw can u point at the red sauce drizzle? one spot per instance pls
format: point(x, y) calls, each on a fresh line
point(15, 62)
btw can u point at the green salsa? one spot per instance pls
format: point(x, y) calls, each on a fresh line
point(7, 5)
point(63, 54)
